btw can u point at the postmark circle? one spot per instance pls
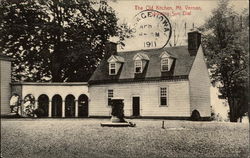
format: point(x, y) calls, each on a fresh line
point(152, 29)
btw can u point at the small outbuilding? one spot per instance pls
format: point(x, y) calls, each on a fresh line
point(5, 75)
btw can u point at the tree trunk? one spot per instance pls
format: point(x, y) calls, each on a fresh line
point(233, 110)
point(58, 59)
point(56, 75)
point(56, 67)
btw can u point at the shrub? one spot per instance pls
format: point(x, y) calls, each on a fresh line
point(39, 112)
point(195, 116)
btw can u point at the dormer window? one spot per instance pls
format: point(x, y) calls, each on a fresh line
point(112, 69)
point(166, 61)
point(140, 60)
point(115, 63)
point(164, 64)
point(138, 66)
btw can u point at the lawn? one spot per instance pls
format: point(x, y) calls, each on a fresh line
point(86, 138)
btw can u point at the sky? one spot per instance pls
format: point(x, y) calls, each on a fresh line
point(194, 13)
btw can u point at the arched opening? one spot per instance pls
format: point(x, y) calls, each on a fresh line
point(28, 105)
point(43, 105)
point(56, 106)
point(83, 106)
point(195, 115)
point(14, 103)
point(70, 106)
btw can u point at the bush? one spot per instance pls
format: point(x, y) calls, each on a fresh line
point(195, 116)
point(39, 112)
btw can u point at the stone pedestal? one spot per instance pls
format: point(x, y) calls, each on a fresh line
point(115, 119)
point(117, 115)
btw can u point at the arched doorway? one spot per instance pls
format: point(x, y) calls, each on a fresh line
point(57, 106)
point(15, 103)
point(28, 105)
point(43, 105)
point(70, 106)
point(83, 106)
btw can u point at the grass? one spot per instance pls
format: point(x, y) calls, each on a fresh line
point(86, 138)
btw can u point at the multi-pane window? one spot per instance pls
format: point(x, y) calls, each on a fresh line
point(164, 64)
point(112, 69)
point(163, 98)
point(138, 66)
point(110, 96)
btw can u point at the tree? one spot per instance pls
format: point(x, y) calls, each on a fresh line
point(58, 40)
point(225, 39)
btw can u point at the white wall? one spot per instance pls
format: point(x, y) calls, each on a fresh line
point(5, 75)
point(178, 98)
point(52, 89)
point(200, 86)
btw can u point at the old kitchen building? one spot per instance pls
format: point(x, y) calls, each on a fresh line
point(170, 82)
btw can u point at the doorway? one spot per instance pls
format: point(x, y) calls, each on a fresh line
point(57, 106)
point(70, 106)
point(83, 106)
point(43, 104)
point(136, 106)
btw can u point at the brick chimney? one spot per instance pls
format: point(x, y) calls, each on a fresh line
point(110, 49)
point(194, 41)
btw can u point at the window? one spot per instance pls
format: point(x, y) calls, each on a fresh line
point(110, 96)
point(163, 98)
point(164, 64)
point(112, 69)
point(138, 66)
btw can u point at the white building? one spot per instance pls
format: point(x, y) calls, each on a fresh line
point(170, 82)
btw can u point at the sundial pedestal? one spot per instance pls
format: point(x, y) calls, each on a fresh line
point(117, 115)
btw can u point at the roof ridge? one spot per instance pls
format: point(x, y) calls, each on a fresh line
point(147, 50)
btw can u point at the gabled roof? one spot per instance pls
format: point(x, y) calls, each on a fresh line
point(115, 58)
point(181, 66)
point(140, 56)
point(166, 54)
